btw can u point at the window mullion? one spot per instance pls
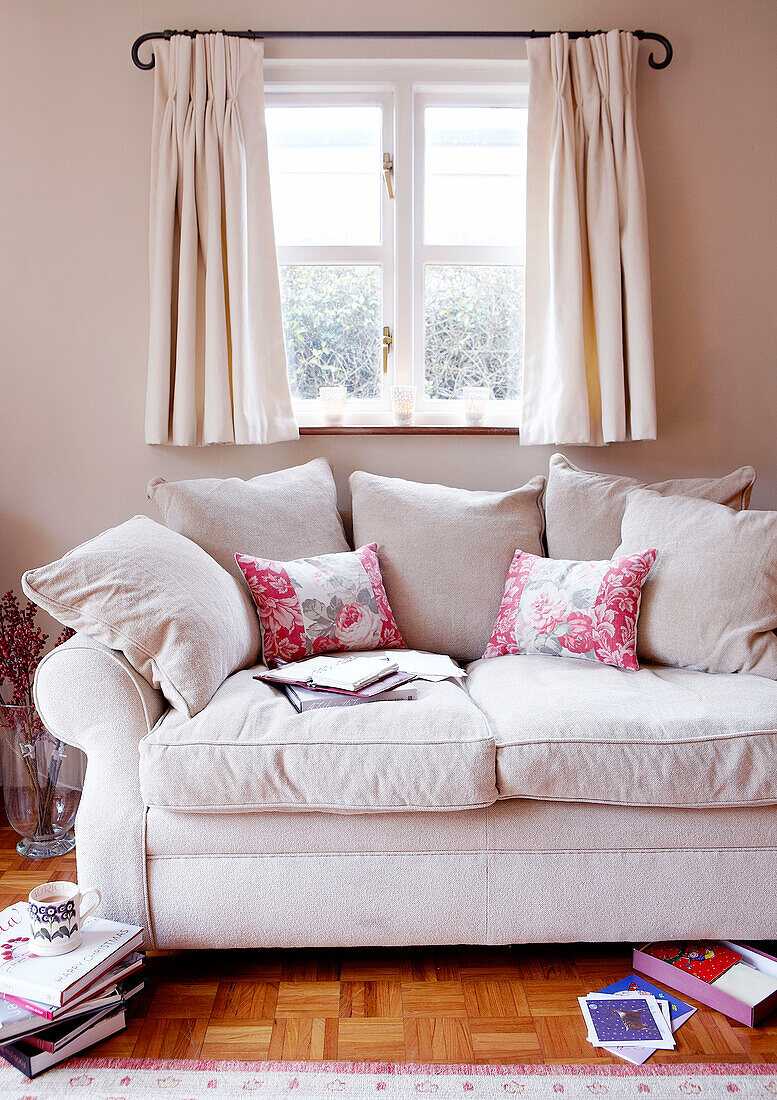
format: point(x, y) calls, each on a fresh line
point(388, 245)
point(417, 279)
point(332, 254)
point(401, 369)
point(471, 254)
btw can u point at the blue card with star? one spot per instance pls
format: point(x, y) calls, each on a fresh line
point(679, 1011)
point(629, 1021)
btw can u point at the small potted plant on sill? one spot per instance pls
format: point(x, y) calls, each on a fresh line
point(42, 777)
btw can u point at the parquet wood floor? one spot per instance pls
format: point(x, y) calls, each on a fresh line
point(440, 1005)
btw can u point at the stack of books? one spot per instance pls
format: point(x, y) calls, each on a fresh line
point(317, 682)
point(53, 1008)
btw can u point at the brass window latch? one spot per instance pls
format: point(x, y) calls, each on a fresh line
point(387, 343)
point(388, 174)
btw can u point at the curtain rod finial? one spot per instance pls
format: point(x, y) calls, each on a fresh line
point(654, 36)
point(136, 47)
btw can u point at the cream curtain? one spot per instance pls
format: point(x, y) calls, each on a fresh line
point(216, 363)
point(588, 344)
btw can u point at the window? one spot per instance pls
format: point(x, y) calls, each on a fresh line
point(429, 252)
point(334, 237)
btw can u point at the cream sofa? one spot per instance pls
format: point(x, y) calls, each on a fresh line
point(548, 799)
point(552, 800)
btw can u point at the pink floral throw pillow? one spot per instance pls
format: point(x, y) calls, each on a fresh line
point(321, 605)
point(584, 609)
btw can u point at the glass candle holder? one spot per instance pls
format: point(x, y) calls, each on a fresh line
point(476, 400)
point(403, 404)
point(333, 400)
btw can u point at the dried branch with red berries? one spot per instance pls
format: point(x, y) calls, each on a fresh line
point(21, 647)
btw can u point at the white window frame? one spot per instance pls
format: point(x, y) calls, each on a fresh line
point(403, 88)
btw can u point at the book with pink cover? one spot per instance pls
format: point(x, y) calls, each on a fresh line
point(57, 979)
point(304, 700)
point(26, 1008)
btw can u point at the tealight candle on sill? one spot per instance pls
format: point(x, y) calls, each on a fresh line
point(333, 400)
point(403, 404)
point(476, 400)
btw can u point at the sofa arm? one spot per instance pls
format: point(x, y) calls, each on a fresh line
point(90, 697)
point(86, 693)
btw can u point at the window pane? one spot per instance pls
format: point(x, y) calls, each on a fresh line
point(475, 187)
point(325, 170)
point(473, 329)
point(332, 326)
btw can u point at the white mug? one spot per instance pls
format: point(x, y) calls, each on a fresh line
point(57, 916)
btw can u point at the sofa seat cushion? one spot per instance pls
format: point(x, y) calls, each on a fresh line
point(249, 750)
point(573, 731)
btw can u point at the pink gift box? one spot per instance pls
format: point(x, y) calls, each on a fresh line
point(708, 994)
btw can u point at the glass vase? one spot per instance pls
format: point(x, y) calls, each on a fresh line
point(42, 782)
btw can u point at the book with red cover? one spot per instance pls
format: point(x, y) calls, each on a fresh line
point(60, 1034)
point(32, 1061)
point(705, 960)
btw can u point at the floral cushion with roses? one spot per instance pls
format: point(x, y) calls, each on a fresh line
point(582, 609)
point(325, 604)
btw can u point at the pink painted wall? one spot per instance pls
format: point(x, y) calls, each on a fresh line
point(74, 130)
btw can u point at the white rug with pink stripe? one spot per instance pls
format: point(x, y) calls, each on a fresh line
point(145, 1079)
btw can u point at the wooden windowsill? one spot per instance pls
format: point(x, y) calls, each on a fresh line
point(412, 429)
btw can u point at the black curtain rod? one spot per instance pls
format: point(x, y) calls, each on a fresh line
point(651, 36)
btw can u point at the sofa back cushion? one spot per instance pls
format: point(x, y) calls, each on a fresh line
point(284, 515)
point(583, 509)
point(445, 554)
point(710, 602)
point(181, 620)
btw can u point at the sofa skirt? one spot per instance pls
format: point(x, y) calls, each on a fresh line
point(520, 871)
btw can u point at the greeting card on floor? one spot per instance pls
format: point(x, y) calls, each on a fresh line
point(678, 1010)
point(627, 1021)
point(636, 1055)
